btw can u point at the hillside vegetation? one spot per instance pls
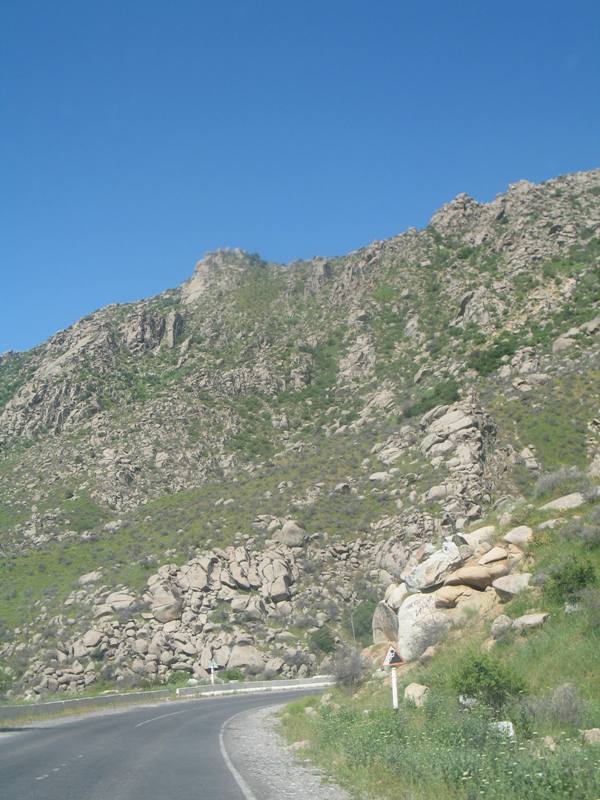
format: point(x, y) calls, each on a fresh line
point(450, 735)
point(272, 461)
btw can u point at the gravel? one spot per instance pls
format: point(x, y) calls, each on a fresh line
point(273, 770)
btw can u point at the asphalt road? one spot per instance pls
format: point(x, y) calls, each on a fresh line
point(169, 751)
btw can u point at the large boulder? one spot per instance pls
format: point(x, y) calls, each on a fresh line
point(564, 503)
point(476, 576)
point(385, 624)
point(475, 538)
point(166, 602)
point(395, 594)
point(194, 577)
point(291, 535)
point(451, 422)
point(529, 621)
point(448, 596)
point(435, 569)
point(420, 624)
point(493, 555)
point(120, 601)
point(92, 638)
point(239, 575)
point(509, 586)
point(246, 656)
point(90, 577)
point(520, 535)
point(475, 604)
point(276, 590)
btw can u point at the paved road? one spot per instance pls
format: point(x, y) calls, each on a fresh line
point(169, 751)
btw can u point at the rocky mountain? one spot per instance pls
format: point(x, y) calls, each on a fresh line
point(241, 467)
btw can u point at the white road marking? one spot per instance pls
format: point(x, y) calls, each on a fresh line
point(55, 769)
point(41, 777)
point(162, 716)
point(245, 789)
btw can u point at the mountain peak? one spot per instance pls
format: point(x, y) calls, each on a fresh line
point(217, 268)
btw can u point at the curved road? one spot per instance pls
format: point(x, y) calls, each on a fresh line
point(168, 751)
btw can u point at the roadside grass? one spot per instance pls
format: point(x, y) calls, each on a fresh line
point(438, 751)
point(442, 750)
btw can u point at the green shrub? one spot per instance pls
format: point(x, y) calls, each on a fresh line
point(443, 393)
point(487, 361)
point(322, 641)
point(564, 479)
point(487, 679)
point(569, 579)
point(233, 674)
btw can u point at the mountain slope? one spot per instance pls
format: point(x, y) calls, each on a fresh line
point(146, 434)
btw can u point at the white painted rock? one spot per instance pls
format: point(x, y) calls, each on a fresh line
point(506, 727)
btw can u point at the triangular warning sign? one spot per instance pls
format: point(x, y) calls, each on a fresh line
point(392, 658)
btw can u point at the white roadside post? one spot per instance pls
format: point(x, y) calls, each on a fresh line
point(212, 667)
point(393, 659)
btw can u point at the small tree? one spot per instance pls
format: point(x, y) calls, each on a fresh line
point(484, 677)
point(348, 667)
point(322, 641)
point(359, 622)
point(568, 580)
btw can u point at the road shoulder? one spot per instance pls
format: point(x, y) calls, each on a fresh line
point(269, 769)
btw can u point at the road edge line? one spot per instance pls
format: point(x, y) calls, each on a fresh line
point(245, 789)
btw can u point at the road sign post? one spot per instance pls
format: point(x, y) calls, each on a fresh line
point(394, 689)
point(393, 659)
point(212, 667)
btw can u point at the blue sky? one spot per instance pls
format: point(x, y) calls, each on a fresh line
point(138, 135)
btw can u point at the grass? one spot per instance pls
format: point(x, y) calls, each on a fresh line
point(171, 527)
point(441, 750)
point(554, 418)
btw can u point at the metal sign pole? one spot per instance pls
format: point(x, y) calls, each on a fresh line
point(212, 665)
point(394, 689)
